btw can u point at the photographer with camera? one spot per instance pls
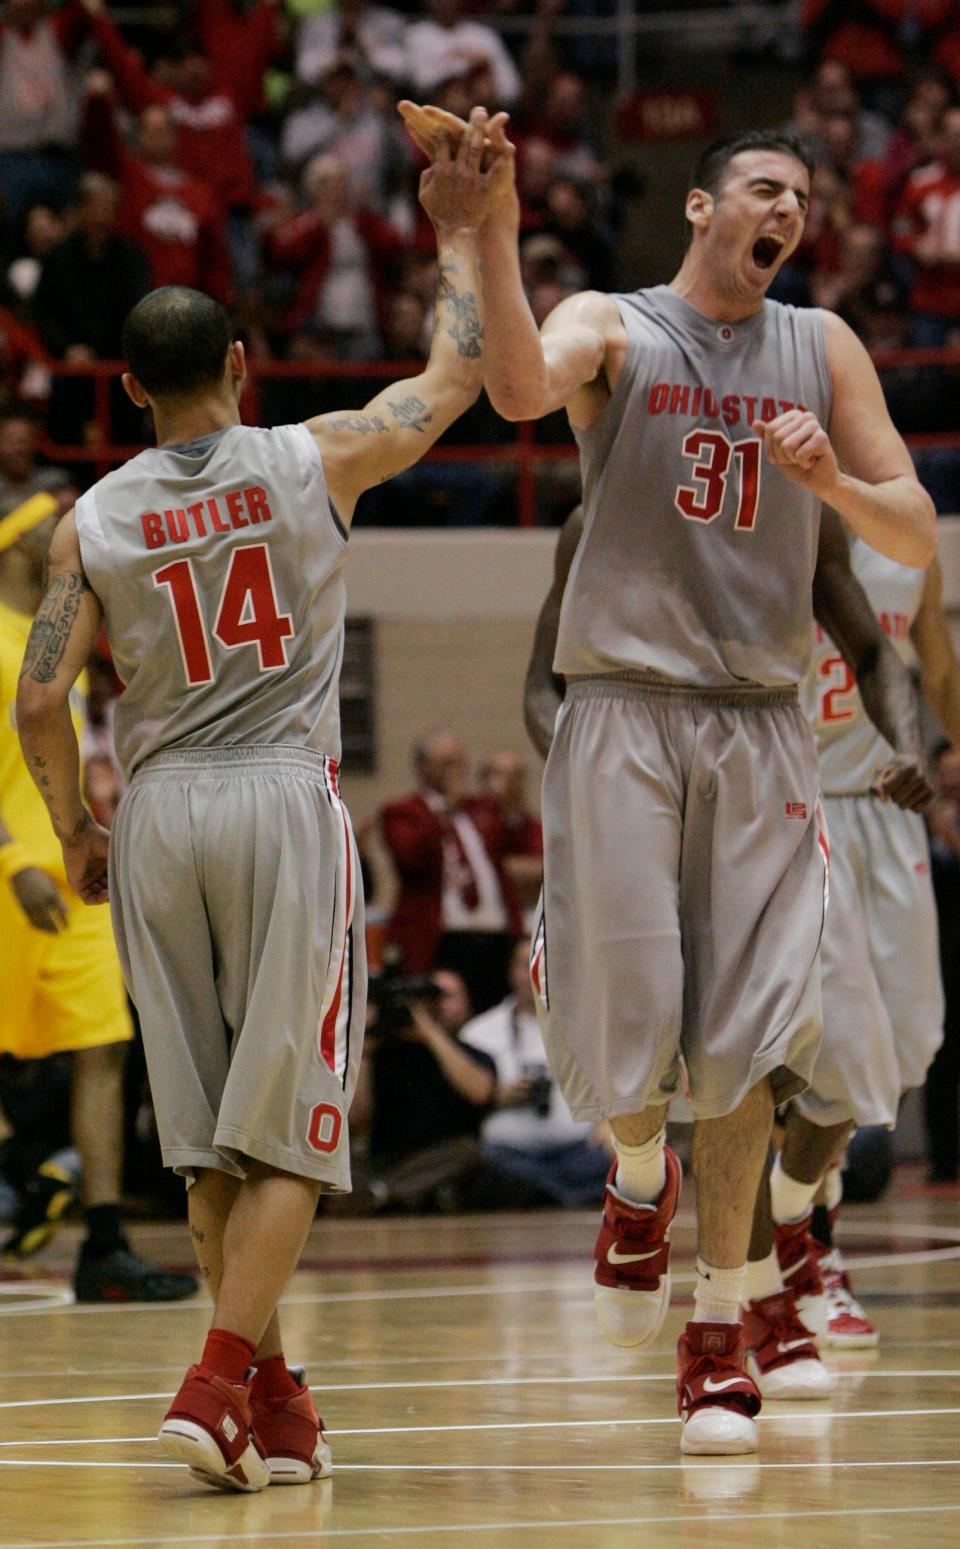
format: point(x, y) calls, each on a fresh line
point(531, 1136)
point(422, 1094)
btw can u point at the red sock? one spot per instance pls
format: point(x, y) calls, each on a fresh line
point(274, 1378)
point(228, 1355)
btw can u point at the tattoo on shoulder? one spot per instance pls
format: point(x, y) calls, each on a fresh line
point(363, 424)
point(467, 330)
point(53, 625)
point(411, 413)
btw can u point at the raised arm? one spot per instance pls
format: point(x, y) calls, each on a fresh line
point(61, 640)
point(939, 668)
point(858, 464)
point(366, 447)
point(842, 607)
point(542, 689)
point(527, 373)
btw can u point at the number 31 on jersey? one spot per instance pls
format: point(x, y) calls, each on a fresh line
point(248, 615)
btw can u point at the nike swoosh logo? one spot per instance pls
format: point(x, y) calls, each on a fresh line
point(614, 1256)
point(710, 1386)
point(793, 1344)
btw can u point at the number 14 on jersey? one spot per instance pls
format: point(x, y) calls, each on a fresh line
point(248, 614)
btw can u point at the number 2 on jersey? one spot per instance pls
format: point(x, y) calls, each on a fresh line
point(712, 451)
point(839, 682)
point(248, 613)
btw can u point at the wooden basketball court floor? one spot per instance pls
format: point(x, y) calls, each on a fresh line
point(470, 1402)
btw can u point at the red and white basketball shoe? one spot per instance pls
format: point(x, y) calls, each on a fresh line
point(289, 1433)
point(781, 1354)
point(631, 1290)
point(716, 1397)
point(847, 1325)
point(208, 1427)
point(800, 1268)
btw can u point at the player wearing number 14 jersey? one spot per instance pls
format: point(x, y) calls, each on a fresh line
point(215, 561)
point(684, 864)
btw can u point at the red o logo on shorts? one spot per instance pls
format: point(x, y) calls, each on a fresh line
point(326, 1123)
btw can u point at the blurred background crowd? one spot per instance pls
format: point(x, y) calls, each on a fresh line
point(251, 148)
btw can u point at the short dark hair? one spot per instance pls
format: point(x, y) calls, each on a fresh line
point(175, 341)
point(709, 172)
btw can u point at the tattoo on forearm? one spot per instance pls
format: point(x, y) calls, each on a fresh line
point(361, 423)
point(467, 330)
point(411, 413)
point(53, 625)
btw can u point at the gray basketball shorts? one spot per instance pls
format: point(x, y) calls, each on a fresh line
point(238, 912)
point(880, 964)
point(683, 897)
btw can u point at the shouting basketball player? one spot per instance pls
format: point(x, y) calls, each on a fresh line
point(684, 864)
point(215, 561)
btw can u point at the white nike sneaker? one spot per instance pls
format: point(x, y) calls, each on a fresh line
point(631, 1291)
point(847, 1326)
point(716, 1398)
point(781, 1354)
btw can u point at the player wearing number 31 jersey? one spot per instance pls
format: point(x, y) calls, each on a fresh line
point(683, 891)
point(215, 561)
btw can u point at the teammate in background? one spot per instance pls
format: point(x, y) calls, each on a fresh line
point(684, 873)
point(60, 979)
point(880, 962)
point(783, 1356)
point(215, 562)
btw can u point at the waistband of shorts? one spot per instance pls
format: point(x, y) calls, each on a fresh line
point(643, 685)
point(243, 759)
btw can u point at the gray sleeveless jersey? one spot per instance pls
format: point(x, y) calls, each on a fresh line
point(852, 751)
point(218, 565)
point(697, 556)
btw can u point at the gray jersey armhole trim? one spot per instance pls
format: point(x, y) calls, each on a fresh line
point(628, 376)
point(311, 464)
point(94, 549)
point(823, 364)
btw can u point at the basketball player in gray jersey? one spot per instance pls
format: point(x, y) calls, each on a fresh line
point(216, 563)
point(882, 991)
point(684, 867)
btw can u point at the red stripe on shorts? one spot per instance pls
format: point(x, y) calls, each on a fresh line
point(328, 1032)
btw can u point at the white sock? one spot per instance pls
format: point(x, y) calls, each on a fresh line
point(790, 1200)
point(641, 1170)
point(833, 1186)
point(763, 1278)
point(718, 1293)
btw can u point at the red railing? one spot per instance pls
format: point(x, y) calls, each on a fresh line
point(524, 453)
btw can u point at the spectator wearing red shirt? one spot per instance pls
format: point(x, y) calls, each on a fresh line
point(345, 262)
point(38, 105)
point(175, 218)
point(503, 777)
point(927, 229)
point(240, 41)
point(456, 907)
point(211, 145)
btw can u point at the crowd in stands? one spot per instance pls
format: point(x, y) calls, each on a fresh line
point(253, 150)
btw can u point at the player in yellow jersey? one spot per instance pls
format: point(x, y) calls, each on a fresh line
point(60, 983)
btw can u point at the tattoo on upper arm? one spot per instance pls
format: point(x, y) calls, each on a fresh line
point(411, 413)
point(361, 423)
point(53, 625)
point(467, 329)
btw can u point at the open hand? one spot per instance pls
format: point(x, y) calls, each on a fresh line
point(904, 781)
point(433, 128)
point(797, 444)
point(455, 191)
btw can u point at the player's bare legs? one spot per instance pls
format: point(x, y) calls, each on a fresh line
point(728, 1158)
point(96, 1120)
point(248, 1235)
